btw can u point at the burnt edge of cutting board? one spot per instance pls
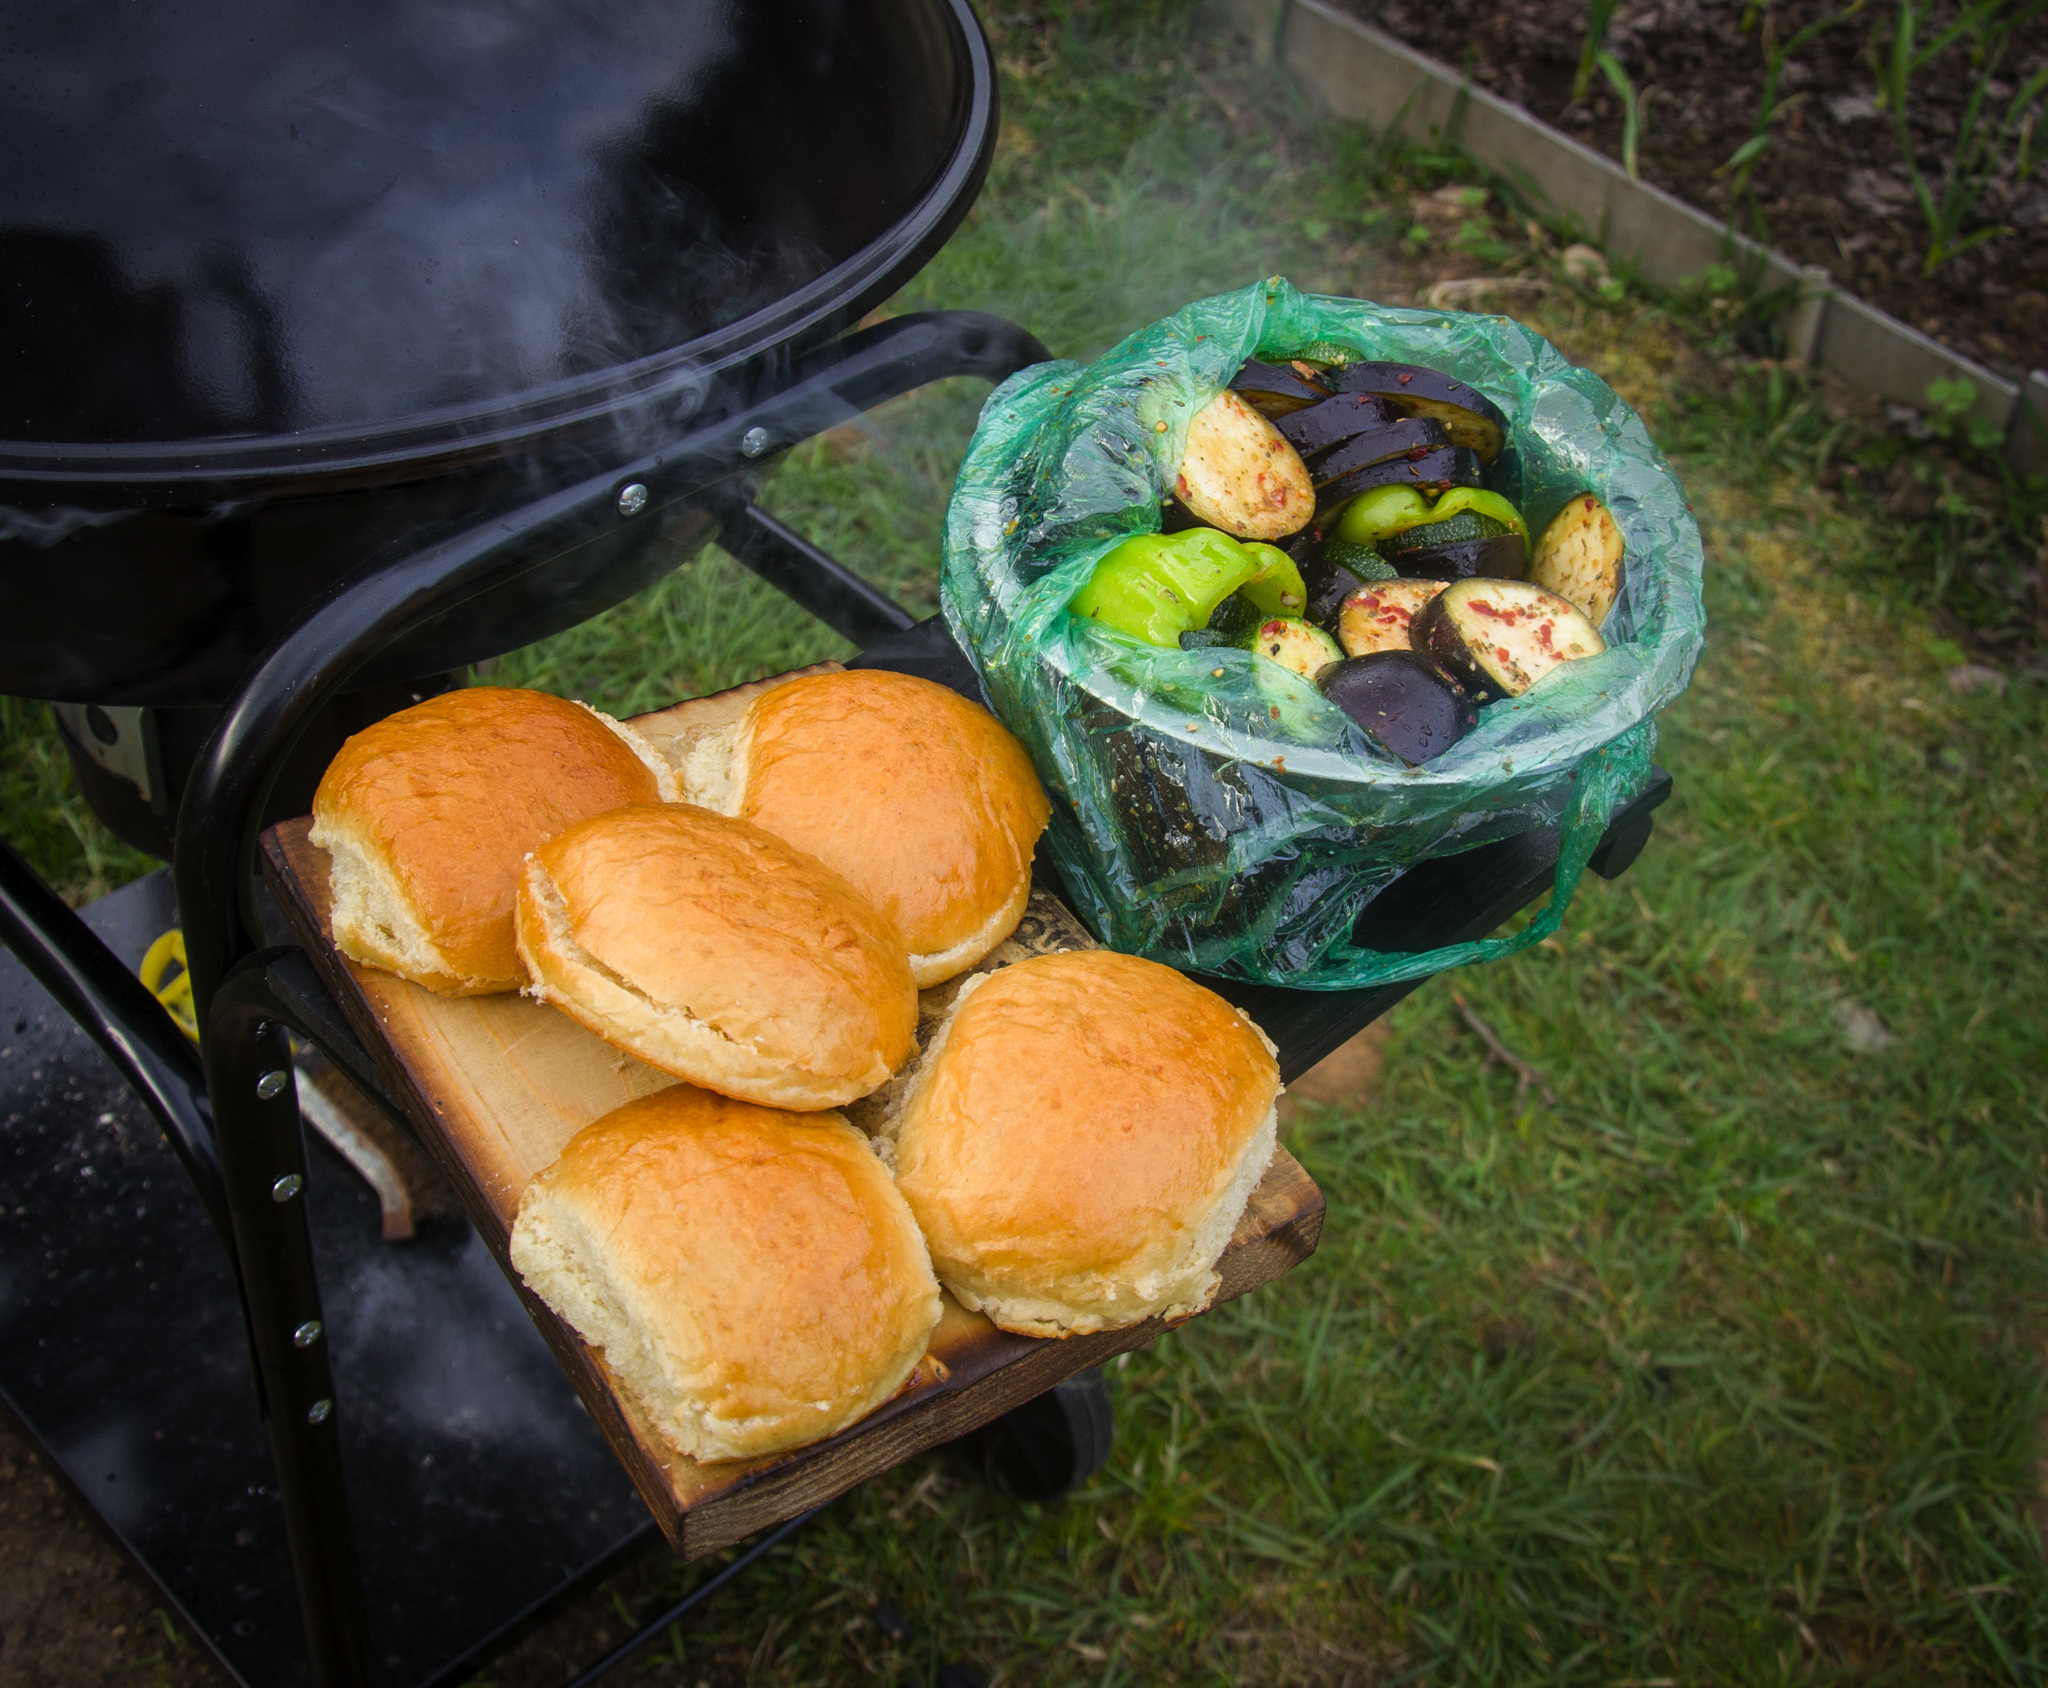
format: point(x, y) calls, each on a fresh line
point(981, 1372)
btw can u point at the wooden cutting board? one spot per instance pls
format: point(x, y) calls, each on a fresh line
point(496, 1085)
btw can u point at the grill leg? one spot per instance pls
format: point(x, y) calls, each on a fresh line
point(263, 1160)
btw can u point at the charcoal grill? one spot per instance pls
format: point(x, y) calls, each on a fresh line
point(343, 348)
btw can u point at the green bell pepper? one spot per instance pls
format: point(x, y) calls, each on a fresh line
point(1374, 516)
point(1157, 586)
point(1277, 588)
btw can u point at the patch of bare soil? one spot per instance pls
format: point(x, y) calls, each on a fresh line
point(1832, 187)
point(72, 1609)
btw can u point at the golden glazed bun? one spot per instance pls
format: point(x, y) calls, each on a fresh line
point(1081, 1140)
point(428, 815)
point(752, 1276)
point(918, 797)
point(715, 951)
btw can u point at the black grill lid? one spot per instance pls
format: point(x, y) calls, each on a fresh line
point(244, 227)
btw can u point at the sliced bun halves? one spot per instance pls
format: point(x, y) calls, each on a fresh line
point(715, 951)
point(919, 798)
point(428, 816)
point(752, 1276)
point(1082, 1139)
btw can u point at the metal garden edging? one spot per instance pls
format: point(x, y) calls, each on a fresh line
point(1358, 73)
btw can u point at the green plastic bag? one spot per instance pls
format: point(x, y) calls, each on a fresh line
point(1238, 825)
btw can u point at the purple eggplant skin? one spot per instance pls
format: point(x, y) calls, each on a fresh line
point(1503, 557)
point(1274, 390)
point(1329, 584)
point(1445, 467)
point(1408, 437)
point(1334, 421)
point(1472, 419)
point(1409, 705)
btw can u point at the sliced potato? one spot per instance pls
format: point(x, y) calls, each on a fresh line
point(1377, 617)
point(1295, 644)
point(1579, 557)
point(1239, 475)
point(1499, 637)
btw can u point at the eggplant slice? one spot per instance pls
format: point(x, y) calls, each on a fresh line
point(1277, 390)
point(1502, 556)
point(1579, 557)
point(1409, 705)
point(1239, 475)
point(1445, 467)
point(1410, 436)
point(1377, 617)
point(1471, 419)
point(1499, 637)
point(1334, 421)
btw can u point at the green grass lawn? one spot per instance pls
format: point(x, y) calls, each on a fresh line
point(1724, 1368)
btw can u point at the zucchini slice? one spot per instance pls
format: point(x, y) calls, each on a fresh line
point(1377, 616)
point(1277, 390)
point(1332, 422)
point(1453, 527)
point(1500, 556)
point(1239, 475)
point(1445, 467)
point(1500, 637)
point(1579, 557)
point(1404, 701)
point(1410, 436)
point(1295, 644)
point(1236, 619)
point(1472, 419)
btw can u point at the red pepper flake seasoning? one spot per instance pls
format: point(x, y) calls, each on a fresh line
point(1404, 379)
point(1275, 713)
point(1543, 636)
point(1501, 651)
point(1279, 764)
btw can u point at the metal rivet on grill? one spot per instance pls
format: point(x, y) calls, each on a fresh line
point(753, 442)
point(320, 1411)
point(287, 1187)
point(632, 499)
point(307, 1334)
point(271, 1085)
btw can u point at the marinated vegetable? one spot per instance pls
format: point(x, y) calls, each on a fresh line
point(1448, 466)
point(1406, 702)
point(1239, 475)
point(1297, 645)
point(1499, 637)
point(1579, 557)
point(1334, 574)
point(1376, 517)
point(1276, 390)
point(1409, 437)
point(1333, 421)
point(1376, 617)
point(1501, 556)
point(1157, 586)
point(1277, 588)
point(1471, 419)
